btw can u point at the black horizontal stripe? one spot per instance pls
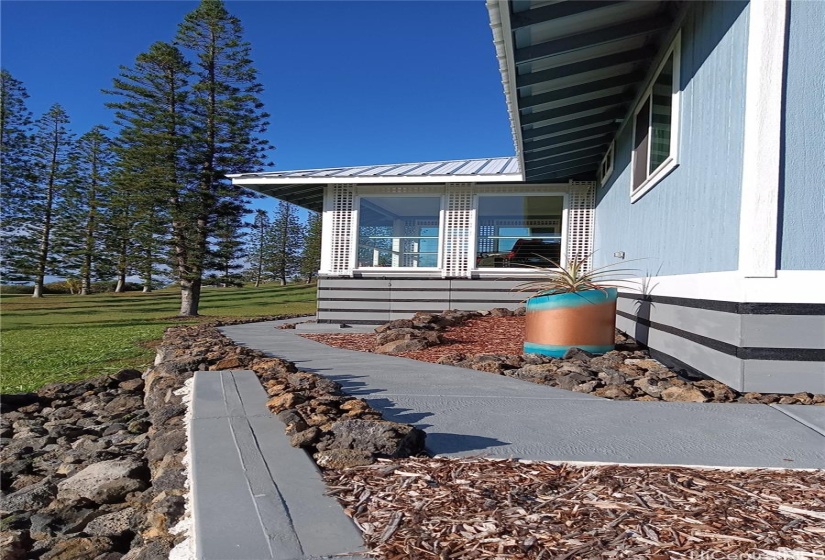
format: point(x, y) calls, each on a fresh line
point(326, 310)
point(424, 289)
point(740, 308)
point(743, 353)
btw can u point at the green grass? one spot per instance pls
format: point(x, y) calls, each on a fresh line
point(67, 338)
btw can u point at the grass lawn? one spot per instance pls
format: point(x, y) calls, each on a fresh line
point(66, 338)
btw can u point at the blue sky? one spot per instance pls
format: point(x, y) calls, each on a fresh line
point(346, 83)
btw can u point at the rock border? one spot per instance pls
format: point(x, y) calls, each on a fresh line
point(627, 373)
point(95, 470)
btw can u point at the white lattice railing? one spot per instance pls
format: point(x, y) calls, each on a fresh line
point(580, 221)
point(341, 229)
point(457, 222)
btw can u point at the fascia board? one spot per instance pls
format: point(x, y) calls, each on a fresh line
point(355, 180)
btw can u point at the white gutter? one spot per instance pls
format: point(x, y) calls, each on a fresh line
point(503, 40)
point(249, 179)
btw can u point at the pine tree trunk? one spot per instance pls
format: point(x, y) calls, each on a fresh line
point(121, 268)
point(86, 269)
point(120, 287)
point(190, 295)
point(38, 288)
point(43, 256)
point(147, 273)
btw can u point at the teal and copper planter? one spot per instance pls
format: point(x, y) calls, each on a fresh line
point(556, 323)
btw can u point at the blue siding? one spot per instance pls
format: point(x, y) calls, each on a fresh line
point(689, 222)
point(803, 201)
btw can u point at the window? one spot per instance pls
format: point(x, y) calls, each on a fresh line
point(398, 231)
point(655, 125)
point(514, 231)
point(606, 166)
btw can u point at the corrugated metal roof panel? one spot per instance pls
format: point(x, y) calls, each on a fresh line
point(463, 167)
point(305, 187)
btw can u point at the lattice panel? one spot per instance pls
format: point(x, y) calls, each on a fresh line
point(521, 189)
point(377, 190)
point(580, 221)
point(342, 214)
point(457, 223)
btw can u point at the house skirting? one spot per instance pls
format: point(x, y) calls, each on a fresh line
point(764, 347)
point(378, 300)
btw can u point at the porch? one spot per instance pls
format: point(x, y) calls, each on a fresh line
point(432, 236)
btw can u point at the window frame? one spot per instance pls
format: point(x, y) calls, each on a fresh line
point(356, 207)
point(609, 156)
point(473, 239)
point(653, 178)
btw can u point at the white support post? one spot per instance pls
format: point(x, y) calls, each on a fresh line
point(458, 231)
point(341, 236)
point(759, 213)
point(580, 222)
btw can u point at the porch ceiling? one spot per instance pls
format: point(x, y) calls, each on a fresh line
point(571, 70)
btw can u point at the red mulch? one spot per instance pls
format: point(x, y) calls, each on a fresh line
point(485, 335)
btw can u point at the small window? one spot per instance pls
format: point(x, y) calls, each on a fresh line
point(655, 125)
point(606, 166)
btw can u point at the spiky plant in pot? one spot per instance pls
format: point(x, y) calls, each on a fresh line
point(572, 307)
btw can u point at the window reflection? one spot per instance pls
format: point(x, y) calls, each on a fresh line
point(518, 231)
point(398, 231)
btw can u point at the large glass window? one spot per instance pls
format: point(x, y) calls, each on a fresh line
point(518, 231)
point(398, 231)
point(655, 125)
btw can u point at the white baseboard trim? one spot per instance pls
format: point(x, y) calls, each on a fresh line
point(789, 286)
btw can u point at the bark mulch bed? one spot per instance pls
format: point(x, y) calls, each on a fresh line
point(472, 508)
point(501, 335)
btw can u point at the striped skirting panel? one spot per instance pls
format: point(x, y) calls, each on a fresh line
point(378, 300)
point(764, 347)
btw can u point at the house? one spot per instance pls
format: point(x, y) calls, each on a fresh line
point(689, 135)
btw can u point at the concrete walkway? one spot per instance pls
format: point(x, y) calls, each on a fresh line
point(466, 413)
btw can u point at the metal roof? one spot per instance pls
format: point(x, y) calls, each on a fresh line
point(572, 70)
point(305, 187)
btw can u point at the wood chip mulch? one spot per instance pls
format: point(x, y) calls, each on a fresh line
point(493, 509)
point(486, 335)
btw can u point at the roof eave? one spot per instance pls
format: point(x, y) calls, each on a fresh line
point(246, 180)
point(503, 41)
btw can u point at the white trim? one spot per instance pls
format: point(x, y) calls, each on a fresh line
point(356, 206)
point(672, 161)
point(609, 156)
point(565, 205)
point(326, 233)
point(759, 214)
point(389, 181)
point(499, 11)
point(789, 286)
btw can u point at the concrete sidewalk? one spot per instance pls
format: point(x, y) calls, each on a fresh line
point(254, 497)
point(467, 412)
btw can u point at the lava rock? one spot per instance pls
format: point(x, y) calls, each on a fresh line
point(31, 497)
point(104, 482)
point(382, 438)
point(342, 458)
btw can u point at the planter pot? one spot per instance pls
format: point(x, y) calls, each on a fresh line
point(556, 323)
